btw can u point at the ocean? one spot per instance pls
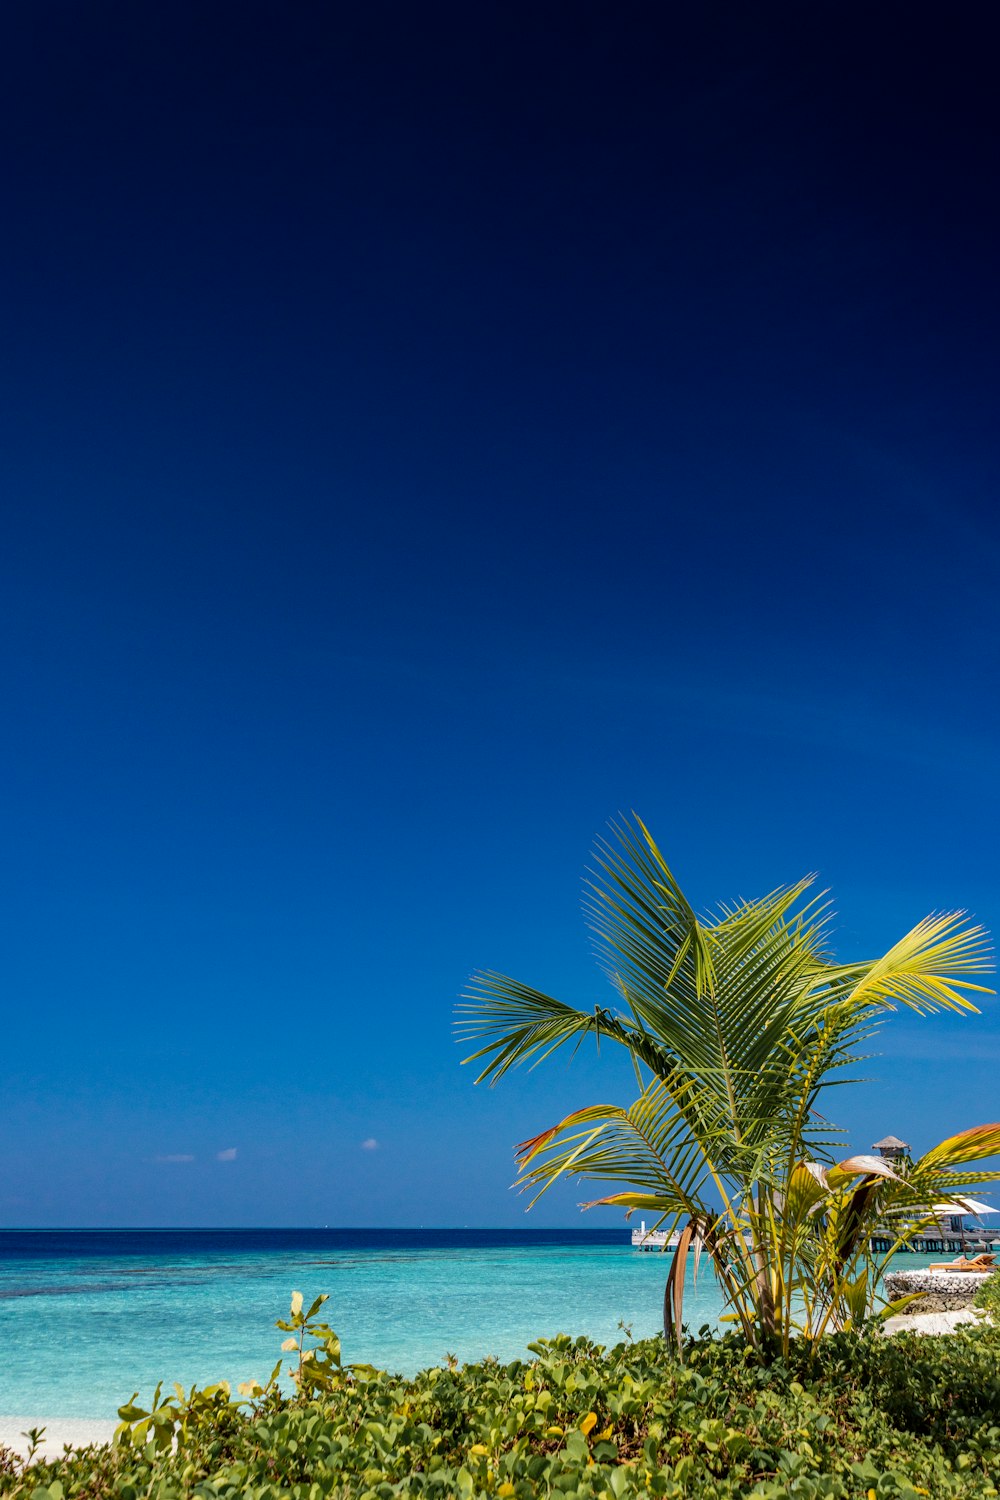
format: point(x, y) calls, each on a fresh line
point(89, 1316)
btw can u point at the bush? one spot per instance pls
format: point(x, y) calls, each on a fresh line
point(988, 1296)
point(866, 1417)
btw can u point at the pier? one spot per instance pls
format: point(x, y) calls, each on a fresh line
point(947, 1234)
point(654, 1239)
point(935, 1242)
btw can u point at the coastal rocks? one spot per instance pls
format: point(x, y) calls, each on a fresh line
point(945, 1291)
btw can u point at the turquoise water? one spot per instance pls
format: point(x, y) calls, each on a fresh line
point(85, 1320)
point(88, 1318)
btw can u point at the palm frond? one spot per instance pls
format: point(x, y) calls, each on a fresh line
point(968, 1145)
point(521, 1024)
point(928, 969)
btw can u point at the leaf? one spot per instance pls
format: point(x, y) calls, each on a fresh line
point(969, 1145)
point(898, 1305)
point(296, 1303)
point(857, 1166)
point(806, 1189)
point(651, 1202)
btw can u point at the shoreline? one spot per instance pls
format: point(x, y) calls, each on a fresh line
point(79, 1432)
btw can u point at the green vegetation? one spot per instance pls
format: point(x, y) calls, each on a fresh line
point(988, 1297)
point(865, 1417)
point(734, 1024)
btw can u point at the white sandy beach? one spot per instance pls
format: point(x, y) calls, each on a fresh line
point(935, 1322)
point(78, 1431)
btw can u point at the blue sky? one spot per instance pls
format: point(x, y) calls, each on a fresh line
point(425, 437)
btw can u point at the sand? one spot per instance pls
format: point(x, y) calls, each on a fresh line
point(58, 1430)
point(933, 1322)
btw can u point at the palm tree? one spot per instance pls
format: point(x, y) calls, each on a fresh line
point(734, 1023)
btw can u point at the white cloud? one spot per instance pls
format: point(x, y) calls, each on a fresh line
point(371, 1144)
point(228, 1155)
point(174, 1156)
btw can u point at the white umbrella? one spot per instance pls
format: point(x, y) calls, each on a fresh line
point(964, 1206)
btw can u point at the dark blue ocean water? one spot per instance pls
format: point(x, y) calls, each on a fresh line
point(24, 1244)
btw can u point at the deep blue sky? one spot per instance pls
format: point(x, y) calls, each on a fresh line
point(427, 431)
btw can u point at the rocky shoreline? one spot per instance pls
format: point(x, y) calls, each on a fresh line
point(945, 1291)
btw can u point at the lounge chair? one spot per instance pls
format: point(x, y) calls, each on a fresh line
point(977, 1263)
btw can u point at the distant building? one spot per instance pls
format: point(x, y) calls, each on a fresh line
point(891, 1148)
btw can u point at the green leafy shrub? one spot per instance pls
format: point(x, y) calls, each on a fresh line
point(861, 1417)
point(988, 1296)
